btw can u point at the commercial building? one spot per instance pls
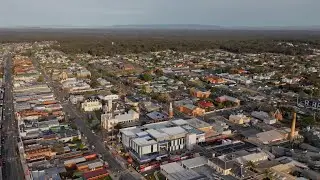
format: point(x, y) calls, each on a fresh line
point(235, 163)
point(174, 171)
point(35, 88)
point(270, 136)
point(156, 140)
point(91, 105)
point(74, 85)
point(96, 174)
point(199, 124)
point(108, 121)
point(74, 99)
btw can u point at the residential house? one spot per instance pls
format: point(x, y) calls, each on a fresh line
point(239, 119)
point(199, 93)
point(190, 109)
point(228, 98)
point(215, 80)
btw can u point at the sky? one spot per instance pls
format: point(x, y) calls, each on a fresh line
point(101, 13)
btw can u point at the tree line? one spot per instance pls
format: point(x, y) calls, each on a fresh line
point(99, 43)
point(103, 47)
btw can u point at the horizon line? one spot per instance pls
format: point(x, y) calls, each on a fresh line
point(167, 26)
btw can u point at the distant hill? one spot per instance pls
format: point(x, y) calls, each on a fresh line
point(170, 26)
point(278, 28)
point(165, 27)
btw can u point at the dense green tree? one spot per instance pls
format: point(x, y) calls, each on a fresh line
point(146, 77)
point(307, 121)
point(40, 78)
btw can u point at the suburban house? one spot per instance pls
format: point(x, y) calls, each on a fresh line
point(199, 93)
point(239, 119)
point(228, 98)
point(188, 108)
point(214, 80)
point(205, 104)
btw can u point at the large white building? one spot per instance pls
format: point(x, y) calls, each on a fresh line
point(108, 121)
point(75, 85)
point(91, 105)
point(156, 140)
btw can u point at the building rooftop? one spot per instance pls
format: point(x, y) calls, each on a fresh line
point(172, 167)
point(194, 162)
point(191, 129)
point(174, 171)
point(144, 141)
point(91, 174)
point(172, 131)
point(95, 165)
point(197, 123)
point(157, 134)
point(179, 122)
point(190, 106)
point(252, 157)
point(50, 173)
point(157, 116)
point(234, 146)
point(269, 136)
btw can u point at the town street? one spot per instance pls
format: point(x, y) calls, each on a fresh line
point(12, 166)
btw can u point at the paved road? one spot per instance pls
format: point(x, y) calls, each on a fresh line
point(12, 167)
point(79, 118)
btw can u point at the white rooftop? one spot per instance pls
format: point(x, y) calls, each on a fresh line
point(143, 133)
point(174, 130)
point(156, 134)
point(144, 141)
point(131, 131)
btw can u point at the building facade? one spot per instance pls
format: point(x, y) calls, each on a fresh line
point(91, 105)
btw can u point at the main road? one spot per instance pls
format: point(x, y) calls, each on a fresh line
point(12, 165)
point(117, 170)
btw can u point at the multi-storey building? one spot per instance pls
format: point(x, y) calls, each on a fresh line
point(157, 140)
